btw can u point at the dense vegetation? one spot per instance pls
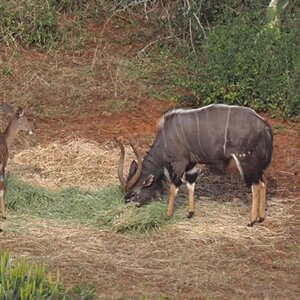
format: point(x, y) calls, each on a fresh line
point(238, 52)
point(20, 280)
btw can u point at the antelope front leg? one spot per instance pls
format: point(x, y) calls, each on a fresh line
point(172, 197)
point(191, 177)
point(2, 196)
point(2, 203)
point(191, 189)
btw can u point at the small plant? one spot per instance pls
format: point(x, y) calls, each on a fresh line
point(20, 280)
point(7, 70)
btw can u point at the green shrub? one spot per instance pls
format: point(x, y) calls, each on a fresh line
point(250, 64)
point(32, 22)
point(20, 280)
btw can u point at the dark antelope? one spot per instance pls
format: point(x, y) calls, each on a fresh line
point(211, 135)
point(17, 123)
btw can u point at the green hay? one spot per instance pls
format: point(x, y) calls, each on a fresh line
point(104, 209)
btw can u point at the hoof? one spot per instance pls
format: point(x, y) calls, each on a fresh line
point(260, 220)
point(169, 215)
point(250, 224)
point(191, 213)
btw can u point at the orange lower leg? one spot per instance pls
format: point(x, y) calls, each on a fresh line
point(262, 200)
point(191, 189)
point(255, 202)
point(171, 201)
point(2, 204)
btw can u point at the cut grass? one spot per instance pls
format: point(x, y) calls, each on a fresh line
point(104, 209)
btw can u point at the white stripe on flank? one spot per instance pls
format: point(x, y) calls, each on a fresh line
point(183, 134)
point(238, 164)
point(198, 130)
point(226, 130)
point(165, 142)
point(177, 131)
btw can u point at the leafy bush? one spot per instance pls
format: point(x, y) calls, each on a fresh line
point(250, 64)
point(233, 56)
point(20, 280)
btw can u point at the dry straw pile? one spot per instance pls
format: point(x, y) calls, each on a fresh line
point(76, 163)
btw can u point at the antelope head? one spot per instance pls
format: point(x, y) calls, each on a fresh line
point(140, 185)
point(18, 122)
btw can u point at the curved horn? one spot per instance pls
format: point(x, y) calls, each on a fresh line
point(121, 164)
point(138, 172)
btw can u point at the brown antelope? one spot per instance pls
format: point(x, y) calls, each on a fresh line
point(17, 123)
point(211, 135)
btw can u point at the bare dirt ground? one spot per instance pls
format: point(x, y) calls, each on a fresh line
point(213, 256)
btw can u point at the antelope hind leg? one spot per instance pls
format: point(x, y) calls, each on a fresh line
point(262, 200)
point(256, 189)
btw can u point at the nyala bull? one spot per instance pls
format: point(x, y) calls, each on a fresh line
point(211, 135)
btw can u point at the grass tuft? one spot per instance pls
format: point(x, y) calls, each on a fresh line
point(129, 218)
point(103, 209)
point(20, 280)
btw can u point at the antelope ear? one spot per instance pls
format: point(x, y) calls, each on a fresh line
point(132, 169)
point(19, 112)
point(148, 181)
